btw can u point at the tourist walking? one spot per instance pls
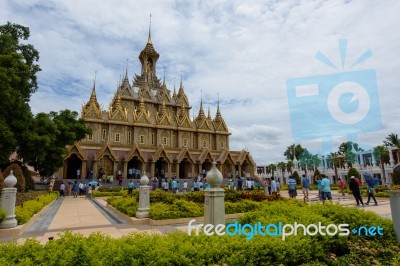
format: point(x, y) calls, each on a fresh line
point(130, 187)
point(75, 189)
point(355, 189)
point(185, 186)
point(174, 186)
point(62, 189)
point(69, 188)
point(240, 184)
point(370, 187)
point(292, 187)
point(341, 186)
point(326, 188)
point(305, 184)
point(274, 188)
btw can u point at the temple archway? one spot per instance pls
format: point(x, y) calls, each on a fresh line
point(161, 167)
point(184, 168)
point(136, 164)
point(206, 166)
point(73, 164)
point(107, 164)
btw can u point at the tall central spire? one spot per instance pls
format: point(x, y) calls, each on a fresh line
point(149, 38)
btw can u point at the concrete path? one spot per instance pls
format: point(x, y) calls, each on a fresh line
point(80, 215)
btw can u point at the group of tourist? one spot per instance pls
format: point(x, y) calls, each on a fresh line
point(77, 189)
point(324, 188)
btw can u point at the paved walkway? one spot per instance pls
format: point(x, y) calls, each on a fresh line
point(89, 216)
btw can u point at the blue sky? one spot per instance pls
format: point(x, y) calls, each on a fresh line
point(245, 51)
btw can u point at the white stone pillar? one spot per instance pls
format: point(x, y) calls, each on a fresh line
point(7, 203)
point(214, 209)
point(144, 197)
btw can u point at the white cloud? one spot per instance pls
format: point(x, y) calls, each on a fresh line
point(245, 51)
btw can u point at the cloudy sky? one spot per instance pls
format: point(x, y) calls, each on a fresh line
point(245, 51)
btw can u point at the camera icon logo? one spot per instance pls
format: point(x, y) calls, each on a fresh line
point(338, 104)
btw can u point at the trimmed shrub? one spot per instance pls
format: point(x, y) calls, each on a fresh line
point(25, 211)
point(180, 248)
point(17, 172)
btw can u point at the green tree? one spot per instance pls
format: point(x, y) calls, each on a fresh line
point(18, 81)
point(392, 140)
point(48, 137)
point(292, 151)
point(281, 166)
point(353, 172)
point(289, 166)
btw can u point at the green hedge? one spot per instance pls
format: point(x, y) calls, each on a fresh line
point(166, 205)
point(180, 249)
point(25, 211)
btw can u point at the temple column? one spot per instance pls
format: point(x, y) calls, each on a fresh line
point(169, 166)
point(84, 170)
point(177, 170)
point(240, 170)
point(95, 170)
point(125, 169)
point(152, 169)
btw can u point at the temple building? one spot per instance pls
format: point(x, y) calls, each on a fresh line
point(146, 129)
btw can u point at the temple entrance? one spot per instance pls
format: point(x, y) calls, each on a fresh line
point(161, 167)
point(227, 170)
point(206, 166)
point(73, 164)
point(134, 167)
point(184, 168)
point(107, 164)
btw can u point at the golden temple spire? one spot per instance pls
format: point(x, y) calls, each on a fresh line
point(201, 111)
point(93, 95)
point(149, 38)
point(218, 115)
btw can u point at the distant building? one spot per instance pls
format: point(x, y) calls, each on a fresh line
point(146, 129)
point(365, 163)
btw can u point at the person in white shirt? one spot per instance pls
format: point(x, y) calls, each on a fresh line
point(273, 185)
point(62, 189)
point(185, 187)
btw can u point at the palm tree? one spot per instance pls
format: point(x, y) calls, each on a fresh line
point(392, 140)
point(272, 167)
point(335, 158)
point(381, 155)
point(282, 167)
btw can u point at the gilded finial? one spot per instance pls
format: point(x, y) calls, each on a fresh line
point(149, 39)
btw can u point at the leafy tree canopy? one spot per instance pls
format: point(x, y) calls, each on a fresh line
point(48, 137)
point(18, 81)
point(292, 151)
point(38, 140)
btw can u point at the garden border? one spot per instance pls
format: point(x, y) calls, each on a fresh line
point(19, 229)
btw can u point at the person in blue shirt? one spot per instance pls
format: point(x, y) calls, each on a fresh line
point(305, 183)
point(292, 187)
point(174, 186)
point(326, 188)
point(130, 187)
